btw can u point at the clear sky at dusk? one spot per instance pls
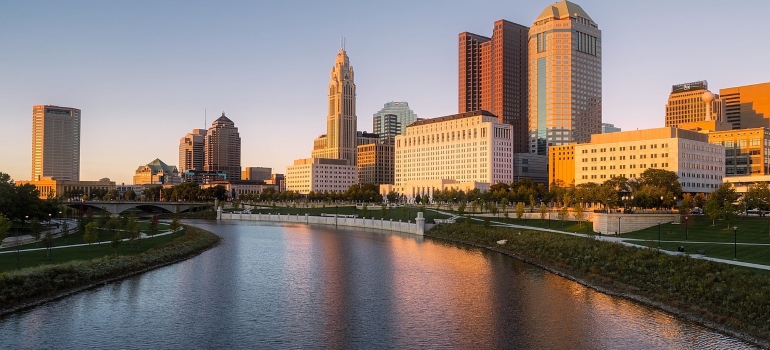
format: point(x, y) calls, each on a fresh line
point(143, 72)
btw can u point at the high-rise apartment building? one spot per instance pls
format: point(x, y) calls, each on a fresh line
point(747, 106)
point(55, 143)
point(565, 77)
point(493, 76)
point(692, 102)
point(192, 151)
point(392, 120)
point(223, 148)
point(341, 121)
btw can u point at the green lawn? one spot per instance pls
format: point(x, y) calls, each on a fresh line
point(39, 257)
point(700, 230)
point(568, 226)
point(77, 238)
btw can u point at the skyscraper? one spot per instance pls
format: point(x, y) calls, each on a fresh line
point(55, 143)
point(192, 151)
point(493, 76)
point(392, 120)
point(223, 148)
point(565, 77)
point(341, 121)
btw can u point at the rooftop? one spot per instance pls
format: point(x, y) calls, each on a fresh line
point(563, 9)
point(452, 117)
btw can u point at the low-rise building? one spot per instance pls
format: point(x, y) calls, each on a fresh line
point(236, 188)
point(699, 164)
point(49, 187)
point(426, 188)
point(320, 174)
point(561, 166)
point(157, 173)
point(530, 166)
point(256, 173)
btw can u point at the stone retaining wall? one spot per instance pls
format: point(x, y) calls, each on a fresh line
point(417, 228)
point(608, 223)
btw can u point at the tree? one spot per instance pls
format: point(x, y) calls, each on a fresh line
point(5, 224)
point(563, 214)
point(519, 210)
point(392, 196)
point(579, 214)
point(667, 181)
point(474, 205)
point(117, 239)
point(130, 195)
point(713, 210)
point(531, 203)
point(687, 204)
point(383, 210)
point(36, 228)
point(65, 230)
point(543, 211)
point(728, 213)
point(48, 243)
point(175, 224)
point(504, 205)
point(758, 197)
point(725, 193)
point(154, 226)
point(91, 234)
point(461, 208)
point(364, 210)
point(418, 199)
point(132, 229)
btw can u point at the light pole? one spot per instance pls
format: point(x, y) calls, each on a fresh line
point(618, 226)
point(658, 235)
point(685, 227)
point(735, 242)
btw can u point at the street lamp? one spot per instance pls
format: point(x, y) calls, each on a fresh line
point(658, 235)
point(685, 227)
point(735, 242)
point(618, 226)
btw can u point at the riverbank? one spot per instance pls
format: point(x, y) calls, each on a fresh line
point(30, 287)
point(723, 298)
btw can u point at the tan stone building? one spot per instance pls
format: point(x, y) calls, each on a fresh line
point(52, 188)
point(55, 143)
point(426, 188)
point(339, 142)
point(565, 77)
point(699, 164)
point(320, 174)
point(466, 147)
point(747, 106)
point(692, 102)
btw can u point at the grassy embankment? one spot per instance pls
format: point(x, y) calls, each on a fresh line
point(717, 240)
point(713, 292)
point(91, 265)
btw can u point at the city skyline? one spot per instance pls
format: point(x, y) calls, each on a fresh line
point(142, 73)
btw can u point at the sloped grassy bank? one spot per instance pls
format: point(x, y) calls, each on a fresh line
point(32, 286)
point(733, 301)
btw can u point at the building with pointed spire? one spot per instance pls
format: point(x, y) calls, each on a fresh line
point(339, 142)
point(223, 148)
point(565, 77)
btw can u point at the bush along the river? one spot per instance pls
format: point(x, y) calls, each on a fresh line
point(719, 293)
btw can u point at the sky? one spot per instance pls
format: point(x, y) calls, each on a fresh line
point(145, 73)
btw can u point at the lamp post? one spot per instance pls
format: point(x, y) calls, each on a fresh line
point(618, 226)
point(735, 242)
point(658, 235)
point(685, 227)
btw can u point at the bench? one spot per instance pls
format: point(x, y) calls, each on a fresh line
point(701, 251)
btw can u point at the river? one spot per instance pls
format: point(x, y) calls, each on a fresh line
point(289, 287)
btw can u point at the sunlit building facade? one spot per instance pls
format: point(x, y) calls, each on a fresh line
point(339, 142)
point(692, 102)
point(192, 151)
point(320, 175)
point(747, 106)
point(55, 143)
point(565, 77)
point(223, 148)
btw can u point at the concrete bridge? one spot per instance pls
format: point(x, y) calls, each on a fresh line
point(117, 207)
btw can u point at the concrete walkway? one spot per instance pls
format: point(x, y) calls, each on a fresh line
point(628, 241)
